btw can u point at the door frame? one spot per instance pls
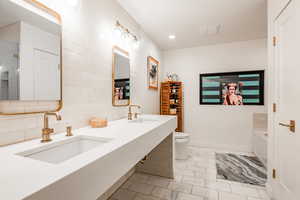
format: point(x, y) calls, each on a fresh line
point(272, 140)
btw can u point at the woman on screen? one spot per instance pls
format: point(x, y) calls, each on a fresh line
point(231, 97)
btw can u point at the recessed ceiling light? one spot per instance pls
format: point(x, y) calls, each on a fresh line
point(172, 37)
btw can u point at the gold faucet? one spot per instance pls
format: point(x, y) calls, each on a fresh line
point(46, 130)
point(130, 114)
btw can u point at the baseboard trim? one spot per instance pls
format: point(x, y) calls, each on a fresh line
point(246, 149)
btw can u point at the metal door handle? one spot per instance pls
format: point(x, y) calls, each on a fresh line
point(291, 126)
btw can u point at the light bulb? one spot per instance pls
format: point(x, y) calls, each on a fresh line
point(117, 33)
point(125, 36)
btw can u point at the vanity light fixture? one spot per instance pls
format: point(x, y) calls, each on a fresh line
point(172, 37)
point(1, 68)
point(118, 32)
point(124, 33)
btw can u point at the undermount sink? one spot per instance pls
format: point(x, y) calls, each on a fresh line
point(61, 151)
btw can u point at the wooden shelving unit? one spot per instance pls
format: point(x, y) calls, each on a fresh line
point(171, 101)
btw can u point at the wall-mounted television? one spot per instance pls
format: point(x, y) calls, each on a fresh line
point(232, 88)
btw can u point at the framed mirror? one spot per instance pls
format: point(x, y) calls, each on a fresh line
point(120, 77)
point(30, 53)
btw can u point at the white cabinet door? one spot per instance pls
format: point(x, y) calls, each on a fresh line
point(47, 75)
point(287, 93)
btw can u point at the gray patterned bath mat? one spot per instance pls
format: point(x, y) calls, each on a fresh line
point(240, 168)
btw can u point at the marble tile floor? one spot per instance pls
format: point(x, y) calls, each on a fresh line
point(195, 179)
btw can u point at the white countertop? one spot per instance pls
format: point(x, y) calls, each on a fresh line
point(21, 177)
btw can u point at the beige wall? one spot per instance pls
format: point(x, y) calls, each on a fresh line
point(87, 48)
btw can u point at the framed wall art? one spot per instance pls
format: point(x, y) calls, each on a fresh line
point(153, 73)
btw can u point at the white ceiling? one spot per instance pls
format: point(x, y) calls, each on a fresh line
point(199, 22)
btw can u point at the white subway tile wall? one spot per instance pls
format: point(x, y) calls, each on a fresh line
point(87, 60)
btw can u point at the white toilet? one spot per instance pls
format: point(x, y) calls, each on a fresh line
point(181, 146)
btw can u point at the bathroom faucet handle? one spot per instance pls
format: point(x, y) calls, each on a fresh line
point(137, 114)
point(130, 114)
point(69, 131)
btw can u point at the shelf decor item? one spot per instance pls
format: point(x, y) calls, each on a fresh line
point(97, 122)
point(153, 71)
point(172, 77)
point(171, 101)
point(232, 88)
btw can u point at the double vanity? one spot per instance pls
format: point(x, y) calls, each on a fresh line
point(89, 163)
point(84, 164)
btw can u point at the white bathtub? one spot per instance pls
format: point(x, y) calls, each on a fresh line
point(260, 145)
point(260, 136)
